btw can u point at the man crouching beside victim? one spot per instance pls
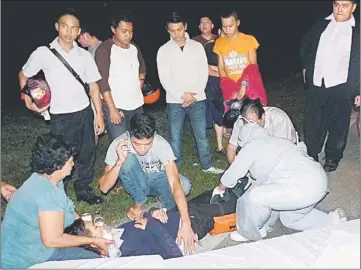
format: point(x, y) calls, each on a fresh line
point(145, 163)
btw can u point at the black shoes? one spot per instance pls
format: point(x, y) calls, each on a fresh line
point(330, 165)
point(89, 197)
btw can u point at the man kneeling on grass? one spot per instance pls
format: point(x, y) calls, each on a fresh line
point(145, 163)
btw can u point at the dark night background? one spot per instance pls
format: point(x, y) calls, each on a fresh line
point(277, 25)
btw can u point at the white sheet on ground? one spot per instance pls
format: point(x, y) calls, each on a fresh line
point(337, 247)
point(136, 262)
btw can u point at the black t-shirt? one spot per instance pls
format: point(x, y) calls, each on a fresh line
point(208, 45)
point(212, 57)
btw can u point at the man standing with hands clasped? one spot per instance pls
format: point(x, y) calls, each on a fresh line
point(183, 73)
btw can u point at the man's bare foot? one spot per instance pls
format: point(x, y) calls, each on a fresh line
point(135, 212)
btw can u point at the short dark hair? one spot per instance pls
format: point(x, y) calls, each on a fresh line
point(68, 11)
point(205, 16)
point(50, 153)
point(78, 228)
point(142, 126)
point(88, 29)
point(230, 13)
point(176, 18)
point(252, 106)
point(117, 17)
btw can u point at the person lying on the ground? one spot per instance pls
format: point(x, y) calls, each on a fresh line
point(7, 190)
point(155, 233)
point(274, 120)
point(38, 212)
point(145, 163)
point(288, 182)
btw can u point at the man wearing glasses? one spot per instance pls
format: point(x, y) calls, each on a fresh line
point(274, 120)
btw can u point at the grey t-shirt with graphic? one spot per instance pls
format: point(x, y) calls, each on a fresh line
point(153, 161)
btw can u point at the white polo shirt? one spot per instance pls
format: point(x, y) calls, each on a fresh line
point(67, 94)
point(277, 123)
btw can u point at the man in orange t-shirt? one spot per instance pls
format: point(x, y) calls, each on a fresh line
point(235, 52)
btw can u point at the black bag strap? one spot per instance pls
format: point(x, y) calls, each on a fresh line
point(72, 71)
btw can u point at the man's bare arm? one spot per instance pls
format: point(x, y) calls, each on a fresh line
point(176, 188)
point(22, 79)
point(231, 153)
point(252, 54)
point(221, 69)
point(213, 71)
point(115, 116)
point(185, 232)
point(95, 97)
point(110, 177)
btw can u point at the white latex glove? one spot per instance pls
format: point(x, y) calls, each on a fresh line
point(217, 191)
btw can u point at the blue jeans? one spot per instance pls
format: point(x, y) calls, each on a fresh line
point(74, 253)
point(140, 185)
point(197, 117)
point(113, 130)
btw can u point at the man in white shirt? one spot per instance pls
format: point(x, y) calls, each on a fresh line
point(274, 120)
point(183, 73)
point(330, 55)
point(123, 70)
point(70, 110)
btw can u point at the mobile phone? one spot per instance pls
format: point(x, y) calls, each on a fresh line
point(127, 147)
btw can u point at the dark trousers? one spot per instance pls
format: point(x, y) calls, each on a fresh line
point(327, 110)
point(78, 128)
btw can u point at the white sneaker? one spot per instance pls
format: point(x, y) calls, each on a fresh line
point(339, 215)
point(235, 236)
point(214, 170)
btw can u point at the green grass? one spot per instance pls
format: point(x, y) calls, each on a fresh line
point(18, 137)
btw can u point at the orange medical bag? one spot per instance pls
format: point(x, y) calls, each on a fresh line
point(223, 224)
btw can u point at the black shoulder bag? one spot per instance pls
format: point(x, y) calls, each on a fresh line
point(72, 71)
